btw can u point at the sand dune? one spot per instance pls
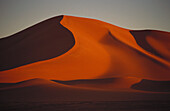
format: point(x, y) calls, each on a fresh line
point(45, 40)
point(86, 59)
point(128, 84)
point(106, 83)
point(46, 90)
point(27, 83)
point(120, 84)
point(69, 48)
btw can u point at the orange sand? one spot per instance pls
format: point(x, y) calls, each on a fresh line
point(101, 50)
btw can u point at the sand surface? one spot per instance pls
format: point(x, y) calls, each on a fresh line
point(68, 58)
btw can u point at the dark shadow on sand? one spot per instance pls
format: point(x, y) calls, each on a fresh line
point(43, 41)
point(154, 86)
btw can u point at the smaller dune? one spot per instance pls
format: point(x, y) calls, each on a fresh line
point(154, 86)
point(46, 90)
point(27, 83)
point(106, 83)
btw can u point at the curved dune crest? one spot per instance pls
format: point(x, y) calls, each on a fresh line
point(43, 41)
point(155, 42)
point(101, 50)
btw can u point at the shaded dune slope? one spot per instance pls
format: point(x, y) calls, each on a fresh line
point(45, 40)
point(155, 42)
point(101, 50)
point(154, 86)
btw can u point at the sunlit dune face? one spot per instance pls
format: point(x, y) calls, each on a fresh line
point(101, 50)
point(127, 57)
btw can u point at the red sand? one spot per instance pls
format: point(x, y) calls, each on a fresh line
point(101, 50)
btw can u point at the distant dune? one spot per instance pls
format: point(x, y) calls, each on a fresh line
point(77, 58)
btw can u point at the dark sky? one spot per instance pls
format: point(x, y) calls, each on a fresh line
point(17, 15)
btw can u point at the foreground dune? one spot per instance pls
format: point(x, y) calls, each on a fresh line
point(121, 83)
point(46, 90)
